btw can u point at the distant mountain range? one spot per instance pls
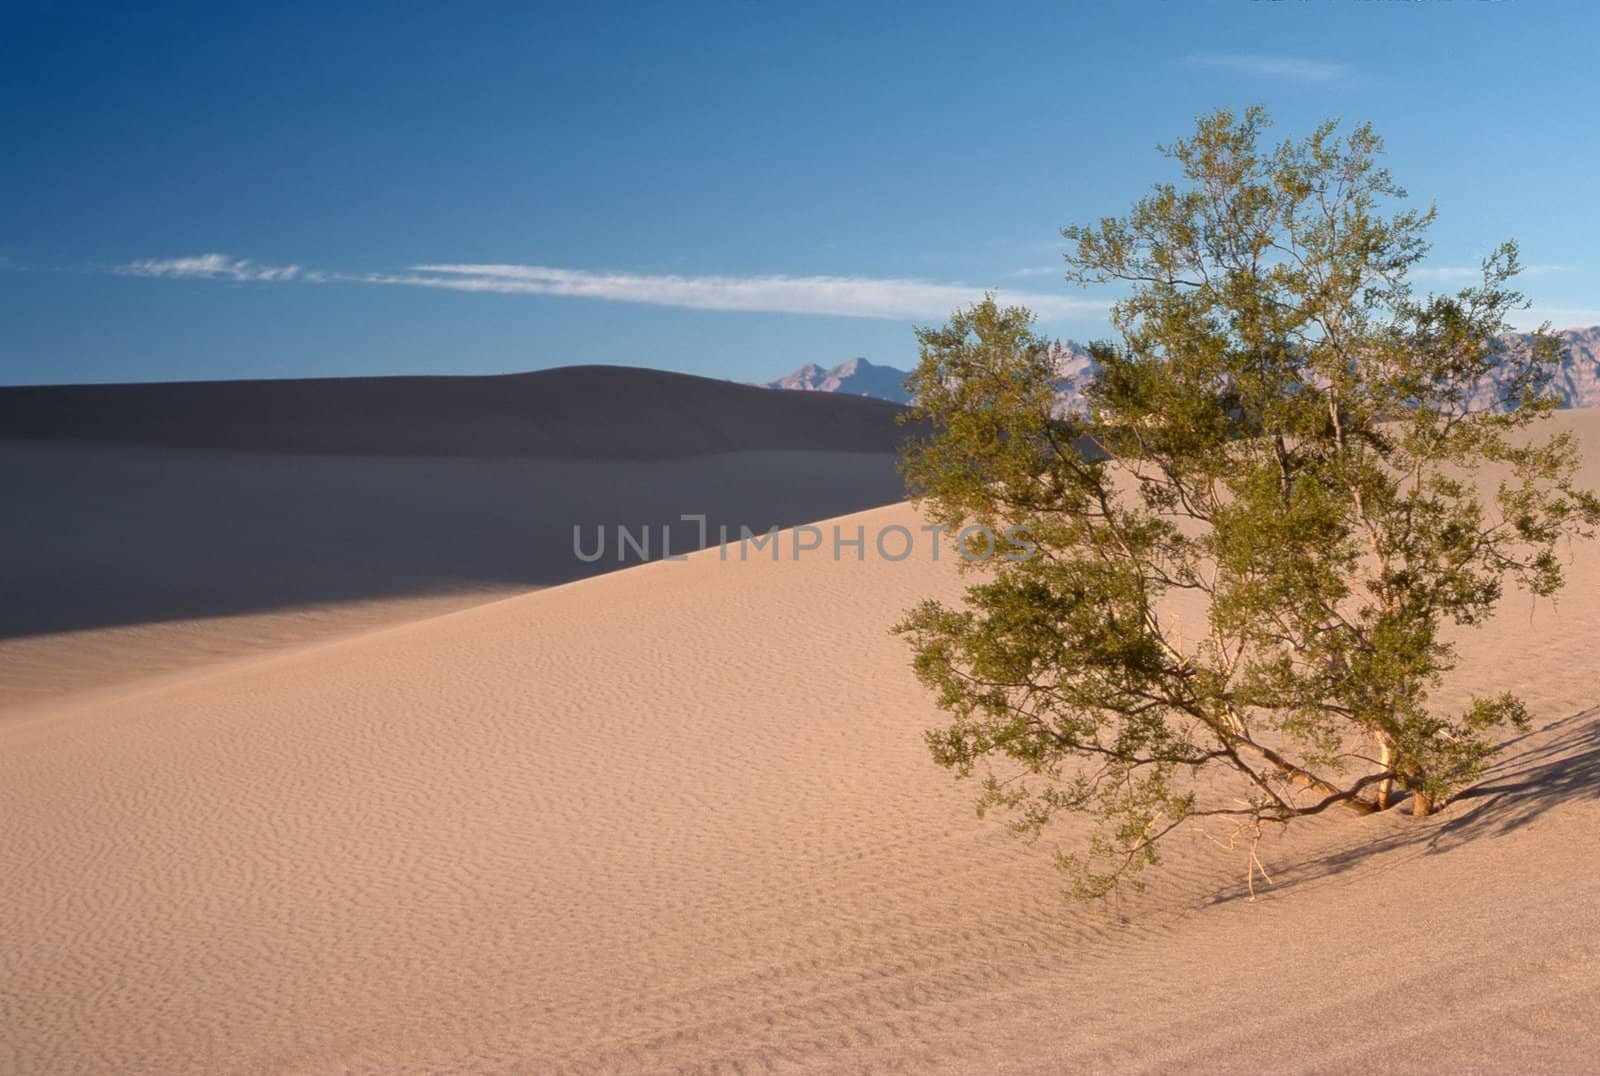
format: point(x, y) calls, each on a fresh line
point(1578, 382)
point(853, 377)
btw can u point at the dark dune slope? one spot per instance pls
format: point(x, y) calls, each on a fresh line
point(576, 411)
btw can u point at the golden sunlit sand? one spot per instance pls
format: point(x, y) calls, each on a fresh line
point(680, 816)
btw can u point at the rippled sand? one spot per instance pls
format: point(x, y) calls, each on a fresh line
point(680, 817)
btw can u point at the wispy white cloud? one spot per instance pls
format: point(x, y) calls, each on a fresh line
point(209, 267)
point(1284, 67)
point(840, 296)
point(1040, 270)
point(1466, 274)
point(1558, 317)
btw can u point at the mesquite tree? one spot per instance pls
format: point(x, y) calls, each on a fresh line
point(1334, 469)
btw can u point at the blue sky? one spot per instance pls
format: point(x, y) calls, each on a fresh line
point(218, 190)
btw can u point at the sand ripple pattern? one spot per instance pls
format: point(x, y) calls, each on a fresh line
point(679, 818)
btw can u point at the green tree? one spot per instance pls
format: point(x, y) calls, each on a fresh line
point(1332, 468)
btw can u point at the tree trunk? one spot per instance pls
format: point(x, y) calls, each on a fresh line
point(1294, 773)
point(1421, 804)
point(1386, 760)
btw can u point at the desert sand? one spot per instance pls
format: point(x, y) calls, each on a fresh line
point(122, 562)
point(679, 816)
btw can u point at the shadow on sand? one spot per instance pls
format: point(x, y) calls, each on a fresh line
point(97, 536)
point(133, 504)
point(1535, 774)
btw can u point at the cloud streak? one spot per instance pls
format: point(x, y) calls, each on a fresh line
point(837, 296)
point(1291, 68)
point(890, 298)
point(1467, 274)
point(1559, 317)
point(209, 267)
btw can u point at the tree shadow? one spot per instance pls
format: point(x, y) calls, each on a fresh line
point(1535, 774)
point(1526, 784)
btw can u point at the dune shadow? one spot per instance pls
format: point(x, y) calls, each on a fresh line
point(99, 536)
point(139, 503)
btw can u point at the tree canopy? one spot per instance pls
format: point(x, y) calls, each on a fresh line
point(1283, 437)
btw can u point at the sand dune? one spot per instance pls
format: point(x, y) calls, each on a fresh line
point(679, 816)
point(119, 562)
point(586, 412)
point(156, 527)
